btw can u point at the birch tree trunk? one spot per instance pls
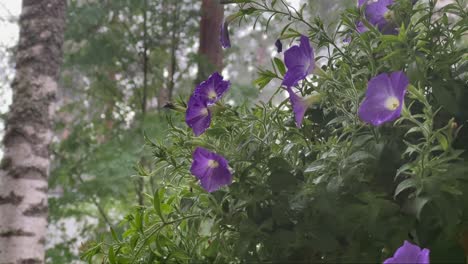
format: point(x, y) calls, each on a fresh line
point(25, 167)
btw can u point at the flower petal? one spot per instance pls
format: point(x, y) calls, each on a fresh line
point(212, 89)
point(360, 27)
point(380, 89)
point(224, 35)
point(399, 83)
point(299, 106)
point(211, 169)
point(200, 163)
point(376, 15)
point(220, 177)
point(423, 256)
point(293, 76)
point(197, 116)
point(409, 254)
point(300, 62)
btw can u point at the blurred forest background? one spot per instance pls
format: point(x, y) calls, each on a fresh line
point(125, 60)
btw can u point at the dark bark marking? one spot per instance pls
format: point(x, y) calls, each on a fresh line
point(22, 172)
point(29, 261)
point(16, 232)
point(36, 210)
point(42, 241)
point(42, 189)
point(18, 133)
point(12, 198)
point(6, 162)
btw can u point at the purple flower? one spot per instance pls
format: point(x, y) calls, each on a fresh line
point(360, 27)
point(211, 169)
point(224, 35)
point(384, 98)
point(378, 14)
point(197, 116)
point(213, 88)
point(279, 46)
point(409, 254)
point(300, 62)
point(300, 104)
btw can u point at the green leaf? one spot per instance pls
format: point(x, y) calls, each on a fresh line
point(157, 205)
point(264, 79)
point(443, 141)
point(359, 156)
point(415, 206)
point(314, 167)
point(404, 185)
point(280, 65)
point(114, 235)
point(111, 255)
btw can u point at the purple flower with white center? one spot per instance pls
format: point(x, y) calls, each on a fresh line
point(198, 116)
point(300, 62)
point(409, 254)
point(300, 104)
point(211, 169)
point(378, 14)
point(224, 35)
point(279, 46)
point(213, 88)
point(384, 98)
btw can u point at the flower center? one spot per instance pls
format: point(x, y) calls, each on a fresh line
point(392, 103)
point(212, 95)
point(389, 15)
point(213, 164)
point(204, 111)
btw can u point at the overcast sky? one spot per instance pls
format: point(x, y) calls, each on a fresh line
point(9, 10)
point(9, 31)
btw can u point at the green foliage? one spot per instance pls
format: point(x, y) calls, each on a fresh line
point(336, 190)
point(107, 80)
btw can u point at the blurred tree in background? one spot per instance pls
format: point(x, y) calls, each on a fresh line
point(124, 60)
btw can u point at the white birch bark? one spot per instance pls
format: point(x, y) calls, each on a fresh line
point(25, 166)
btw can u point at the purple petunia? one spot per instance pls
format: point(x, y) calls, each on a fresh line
point(300, 62)
point(213, 88)
point(211, 169)
point(384, 98)
point(409, 254)
point(377, 12)
point(224, 35)
point(198, 114)
point(300, 104)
